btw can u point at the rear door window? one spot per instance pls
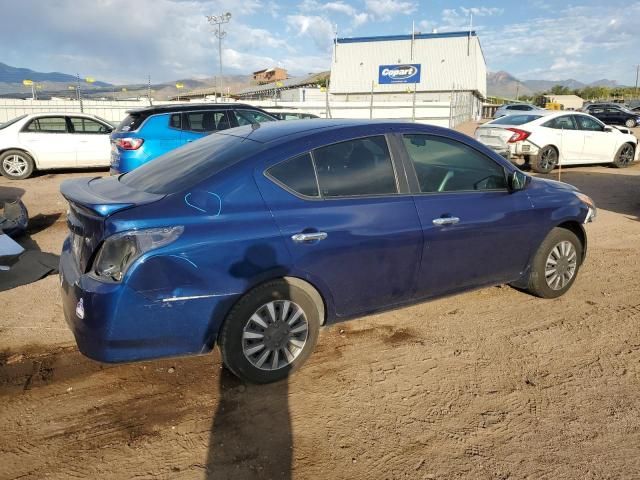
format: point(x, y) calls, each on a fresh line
point(297, 175)
point(47, 125)
point(355, 168)
point(205, 121)
point(444, 165)
point(565, 122)
point(88, 126)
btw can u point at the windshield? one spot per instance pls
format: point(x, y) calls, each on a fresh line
point(11, 122)
point(183, 167)
point(515, 119)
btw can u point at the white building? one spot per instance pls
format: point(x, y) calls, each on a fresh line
point(390, 67)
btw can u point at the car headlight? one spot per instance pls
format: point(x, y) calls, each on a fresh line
point(591, 213)
point(119, 251)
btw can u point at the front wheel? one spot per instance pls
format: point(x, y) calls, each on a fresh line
point(546, 160)
point(625, 155)
point(630, 123)
point(556, 264)
point(16, 165)
point(270, 332)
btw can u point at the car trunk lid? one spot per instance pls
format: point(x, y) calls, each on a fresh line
point(91, 202)
point(495, 137)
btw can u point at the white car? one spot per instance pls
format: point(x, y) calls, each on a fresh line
point(42, 141)
point(547, 139)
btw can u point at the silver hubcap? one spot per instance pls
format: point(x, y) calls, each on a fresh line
point(15, 165)
point(275, 335)
point(561, 265)
point(548, 158)
point(626, 155)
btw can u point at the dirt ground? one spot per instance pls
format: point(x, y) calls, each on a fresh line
point(492, 384)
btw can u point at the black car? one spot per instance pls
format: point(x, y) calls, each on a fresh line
point(613, 114)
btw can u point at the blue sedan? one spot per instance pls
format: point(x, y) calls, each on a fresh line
point(255, 237)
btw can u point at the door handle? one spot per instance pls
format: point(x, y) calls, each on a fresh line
point(445, 221)
point(308, 237)
point(189, 141)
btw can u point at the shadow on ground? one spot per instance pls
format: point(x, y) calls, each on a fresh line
point(614, 192)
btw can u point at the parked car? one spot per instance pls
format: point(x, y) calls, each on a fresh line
point(558, 138)
point(291, 115)
point(515, 109)
point(150, 132)
point(42, 141)
point(253, 238)
point(614, 114)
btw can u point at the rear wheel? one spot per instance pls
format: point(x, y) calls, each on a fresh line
point(270, 332)
point(16, 164)
point(546, 160)
point(630, 123)
point(625, 156)
point(556, 264)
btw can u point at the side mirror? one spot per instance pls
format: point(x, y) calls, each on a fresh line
point(607, 128)
point(516, 181)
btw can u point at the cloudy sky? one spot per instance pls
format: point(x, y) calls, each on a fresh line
point(124, 40)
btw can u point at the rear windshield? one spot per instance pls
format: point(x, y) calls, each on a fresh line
point(11, 122)
point(131, 122)
point(183, 167)
point(515, 119)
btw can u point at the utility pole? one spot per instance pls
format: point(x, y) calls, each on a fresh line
point(637, 75)
point(219, 20)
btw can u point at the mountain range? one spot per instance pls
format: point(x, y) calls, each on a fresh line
point(500, 84)
point(503, 84)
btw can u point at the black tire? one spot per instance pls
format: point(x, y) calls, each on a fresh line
point(16, 164)
point(539, 281)
point(624, 156)
point(546, 160)
point(630, 123)
point(231, 338)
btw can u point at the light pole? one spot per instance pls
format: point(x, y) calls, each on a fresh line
point(637, 75)
point(219, 20)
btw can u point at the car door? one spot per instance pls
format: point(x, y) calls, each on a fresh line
point(599, 145)
point(49, 139)
point(200, 123)
point(563, 132)
point(614, 116)
point(93, 144)
point(475, 231)
point(346, 224)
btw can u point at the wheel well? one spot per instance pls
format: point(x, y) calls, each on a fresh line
point(35, 162)
point(577, 229)
point(313, 292)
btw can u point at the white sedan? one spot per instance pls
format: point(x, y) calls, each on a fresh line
point(547, 139)
point(53, 140)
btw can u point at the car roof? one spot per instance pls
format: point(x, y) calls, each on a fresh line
point(182, 107)
point(280, 132)
point(60, 114)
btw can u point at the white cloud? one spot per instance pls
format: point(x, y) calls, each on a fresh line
point(319, 29)
point(586, 42)
point(482, 11)
point(387, 9)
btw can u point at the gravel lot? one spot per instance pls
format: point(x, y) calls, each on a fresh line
point(491, 384)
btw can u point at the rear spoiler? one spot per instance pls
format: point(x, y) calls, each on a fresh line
point(105, 195)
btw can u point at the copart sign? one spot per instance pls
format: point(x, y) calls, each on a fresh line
point(409, 73)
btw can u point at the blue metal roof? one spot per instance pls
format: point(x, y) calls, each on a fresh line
point(417, 36)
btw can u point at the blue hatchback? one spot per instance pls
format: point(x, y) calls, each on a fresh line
point(149, 132)
point(254, 237)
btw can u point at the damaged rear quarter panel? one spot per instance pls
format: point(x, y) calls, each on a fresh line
point(179, 295)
